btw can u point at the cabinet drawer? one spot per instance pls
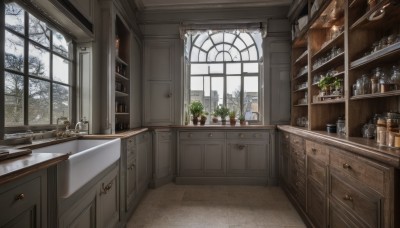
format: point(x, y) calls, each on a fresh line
point(296, 142)
point(364, 171)
point(298, 154)
point(164, 136)
point(340, 219)
point(317, 172)
point(317, 151)
point(201, 135)
point(365, 205)
point(248, 135)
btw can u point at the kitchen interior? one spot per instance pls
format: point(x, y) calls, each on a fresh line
point(224, 113)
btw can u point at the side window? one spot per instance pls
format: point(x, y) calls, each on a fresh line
point(37, 73)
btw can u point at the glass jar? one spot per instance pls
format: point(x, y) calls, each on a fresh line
point(384, 83)
point(395, 77)
point(340, 126)
point(366, 83)
point(359, 86)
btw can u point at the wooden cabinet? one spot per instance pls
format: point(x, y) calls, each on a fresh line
point(163, 165)
point(24, 202)
point(227, 156)
point(159, 82)
point(202, 154)
point(284, 153)
point(94, 205)
point(144, 156)
point(342, 189)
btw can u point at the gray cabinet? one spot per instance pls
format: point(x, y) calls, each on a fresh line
point(95, 205)
point(248, 154)
point(225, 156)
point(24, 202)
point(160, 70)
point(163, 157)
point(143, 158)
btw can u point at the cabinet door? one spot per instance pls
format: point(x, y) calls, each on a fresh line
point(164, 156)
point(257, 158)
point(21, 205)
point(191, 159)
point(159, 105)
point(316, 205)
point(130, 183)
point(108, 190)
point(284, 168)
point(142, 166)
point(237, 158)
point(214, 159)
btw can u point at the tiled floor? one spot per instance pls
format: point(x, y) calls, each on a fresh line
point(215, 206)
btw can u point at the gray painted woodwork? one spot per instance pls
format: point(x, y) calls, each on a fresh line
point(143, 157)
point(85, 7)
point(162, 156)
point(30, 209)
point(108, 206)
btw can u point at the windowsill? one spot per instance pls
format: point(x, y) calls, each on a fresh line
point(228, 126)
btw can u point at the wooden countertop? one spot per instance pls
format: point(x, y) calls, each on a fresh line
point(12, 169)
point(224, 127)
point(122, 134)
point(362, 146)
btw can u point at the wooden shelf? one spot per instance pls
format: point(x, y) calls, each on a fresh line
point(331, 63)
point(364, 18)
point(376, 95)
point(121, 76)
point(301, 75)
point(385, 54)
point(333, 101)
point(327, 15)
point(300, 90)
point(121, 94)
point(121, 61)
point(302, 58)
point(300, 105)
point(121, 113)
point(330, 44)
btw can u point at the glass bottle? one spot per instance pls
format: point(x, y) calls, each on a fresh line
point(395, 77)
point(366, 83)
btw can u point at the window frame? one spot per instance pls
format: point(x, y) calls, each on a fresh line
point(27, 76)
point(224, 74)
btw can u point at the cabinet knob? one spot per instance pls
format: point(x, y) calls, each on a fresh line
point(241, 147)
point(131, 167)
point(20, 196)
point(348, 197)
point(314, 150)
point(210, 135)
point(169, 95)
point(106, 188)
point(190, 135)
point(346, 166)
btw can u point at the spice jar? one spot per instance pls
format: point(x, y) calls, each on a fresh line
point(395, 77)
point(390, 137)
point(331, 128)
point(381, 137)
point(374, 85)
point(392, 123)
point(397, 140)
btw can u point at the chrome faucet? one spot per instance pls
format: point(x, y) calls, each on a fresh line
point(78, 125)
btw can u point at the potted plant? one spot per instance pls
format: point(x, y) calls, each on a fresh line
point(203, 118)
point(215, 116)
point(242, 119)
point(196, 109)
point(325, 84)
point(338, 83)
point(223, 112)
point(232, 117)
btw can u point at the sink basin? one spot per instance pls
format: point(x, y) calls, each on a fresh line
point(87, 159)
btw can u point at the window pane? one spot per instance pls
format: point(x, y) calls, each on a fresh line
point(14, 99)
point(220, 57)
point(233, 68)
point(39, 61)
point(217, 91)
point(14, 52)
point(196, 89)
point(235, 54)
point(38, 31)
point(233, 93)
point(229, 38)
point(219, 47)
point(203, 56)
point(198, 69)
point(239, 44)
point(250, 67)
point(15, 17)
point(60, 69)
point(216, 68)
point(250, 99)
point(39, 102)
point(212, 55)
point(253, 53)
point(207, 45)
point(60, 44)
point(245, 55)
point(218, 38)
point(207, 97)
point(246, 38)
point(60, 101)
point(200, 39)
point(195, 55)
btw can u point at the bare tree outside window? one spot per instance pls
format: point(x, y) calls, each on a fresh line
point(46, 74)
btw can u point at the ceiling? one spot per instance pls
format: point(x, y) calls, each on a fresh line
point(205, 4)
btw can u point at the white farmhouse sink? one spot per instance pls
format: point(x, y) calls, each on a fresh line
point(88, 158)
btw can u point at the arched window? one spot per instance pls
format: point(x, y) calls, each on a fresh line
point(225, 70)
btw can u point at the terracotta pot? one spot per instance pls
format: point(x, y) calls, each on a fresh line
point(195, 121)
point(223, 122)
point(232, 121)
point(215, 120)
point(203, 121)
point(242, 122)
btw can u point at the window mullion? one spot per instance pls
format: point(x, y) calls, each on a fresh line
point(26, 70)
point(241, 91)
point(51, 77)
point(225, 86)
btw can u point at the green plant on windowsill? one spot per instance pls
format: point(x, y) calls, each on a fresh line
point(215, 116)
point(223, 112)
point(203, 118)
point(196, 109)
point(242, 119)
point(232, 117)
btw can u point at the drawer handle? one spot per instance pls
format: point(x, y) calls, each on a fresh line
point(210, 135)
point(20, 197)
point(348, 198)
point(346, 166)
point(241, 147)
point(106, 188)
point(314, 150)
point(131, 167)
